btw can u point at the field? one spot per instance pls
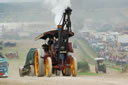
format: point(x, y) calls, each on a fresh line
point(113, 76)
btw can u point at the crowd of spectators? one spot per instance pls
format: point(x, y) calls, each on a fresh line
point(108, 49)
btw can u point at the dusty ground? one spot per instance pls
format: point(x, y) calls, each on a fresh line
point(108, 79)
point(111, 78)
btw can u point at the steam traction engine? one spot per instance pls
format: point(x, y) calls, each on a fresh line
point(54, 57)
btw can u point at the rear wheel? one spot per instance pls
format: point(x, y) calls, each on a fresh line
point(39, 63)
point(48, 67)
point(104, 69)
point(73, 66)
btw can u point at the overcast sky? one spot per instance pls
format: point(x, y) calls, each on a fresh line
point(18, 0)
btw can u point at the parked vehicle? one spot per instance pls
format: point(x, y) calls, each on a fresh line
point(3, 67)
point(100, 66)
point(9, 44)
point(1, 45)
point(126, 49)
point(12, 55)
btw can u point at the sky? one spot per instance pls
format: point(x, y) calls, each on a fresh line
point(18, 0)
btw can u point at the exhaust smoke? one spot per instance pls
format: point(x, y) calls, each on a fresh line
point(57, 7)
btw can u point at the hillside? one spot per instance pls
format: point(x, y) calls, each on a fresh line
point(36, 11)
point(23, 12)
point(86, 53)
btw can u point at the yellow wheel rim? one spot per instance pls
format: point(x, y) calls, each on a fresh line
point(47, 67)
point(72, 66)
point(64, 70)
point(36, 63)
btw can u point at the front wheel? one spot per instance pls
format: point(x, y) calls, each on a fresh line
point(48, 67)
point(57, 73)
point(66, 72)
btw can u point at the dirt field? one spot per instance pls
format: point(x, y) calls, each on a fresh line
point(111, 78)
point(107, 79)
